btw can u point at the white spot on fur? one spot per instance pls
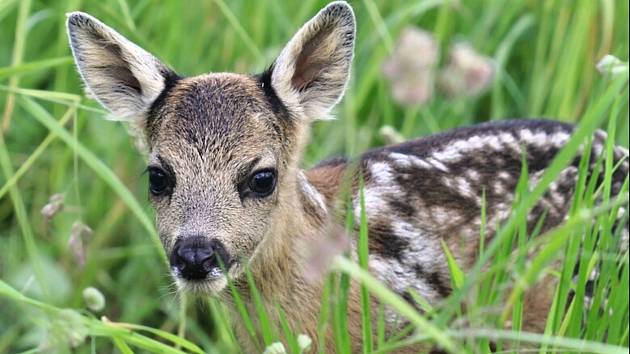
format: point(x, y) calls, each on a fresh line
point(486, 144)
point(558, 199)
point(493, 143)
point(404, 229)
point(312, 194)
point(443, 216)
point(461, 149)
point(507, 139)
point(500, 212)
point(447, 182)
point(473, 175)
point(407, 161)
point(383, 186)
point(401, 160)
point(381, 173)
point(464, 188)
point(498, 188)
point(438, 164)
point(541, 139)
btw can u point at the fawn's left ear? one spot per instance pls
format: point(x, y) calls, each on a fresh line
point(311, 73)
point(123, 77)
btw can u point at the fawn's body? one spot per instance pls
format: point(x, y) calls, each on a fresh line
point(225, 181)
point(418, 193)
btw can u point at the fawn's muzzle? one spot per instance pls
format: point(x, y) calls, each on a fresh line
point(193, 258)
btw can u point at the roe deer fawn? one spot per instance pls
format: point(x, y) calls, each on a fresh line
point(225, 180)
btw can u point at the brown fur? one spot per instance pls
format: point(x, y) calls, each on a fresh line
point(211, 133)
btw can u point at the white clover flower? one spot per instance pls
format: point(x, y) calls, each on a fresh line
point(304, 342)
point(94, 299)
point(612, 65)
point(275, 348)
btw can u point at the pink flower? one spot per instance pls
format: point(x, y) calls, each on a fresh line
point(468, 73)
point(78, 234)
point(321, 253)
point(410, 68)
point(54, 206)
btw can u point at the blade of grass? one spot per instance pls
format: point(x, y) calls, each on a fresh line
point(366, 321)
point(34, 66)
point(16, 59)
point(106, 174)
point(122, 346)
point(561, 343)
point(244, 313)
point(457, 275)
point(28, 238)
point(180, 341)
point(26, 165)
point(592, 119)
point(397, 303)
point(265, 324)
point(557, 239)
point(240, 30)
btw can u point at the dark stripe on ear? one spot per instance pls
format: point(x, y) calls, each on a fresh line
point(276, 103)
point(170, 80)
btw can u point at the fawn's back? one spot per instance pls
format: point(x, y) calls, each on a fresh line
point(422, 192)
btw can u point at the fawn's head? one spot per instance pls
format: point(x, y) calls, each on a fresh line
point(223, 148)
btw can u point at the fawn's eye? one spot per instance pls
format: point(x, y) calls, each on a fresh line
point(262, 182)
point(159, 181)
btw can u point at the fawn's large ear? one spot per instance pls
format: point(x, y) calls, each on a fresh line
point(123, 77)
point(311, 73)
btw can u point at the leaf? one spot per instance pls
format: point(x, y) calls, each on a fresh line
point(457, 275)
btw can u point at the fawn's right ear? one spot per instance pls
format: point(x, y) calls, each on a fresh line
point(123, 77)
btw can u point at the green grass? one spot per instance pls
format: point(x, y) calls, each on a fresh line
point(54, 141)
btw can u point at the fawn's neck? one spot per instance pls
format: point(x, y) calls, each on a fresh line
point(289, 268)
point(301, 221)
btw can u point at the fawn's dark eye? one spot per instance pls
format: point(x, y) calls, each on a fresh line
point(262, 182)
point(159, 181)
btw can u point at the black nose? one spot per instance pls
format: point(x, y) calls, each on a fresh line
point(195, 257)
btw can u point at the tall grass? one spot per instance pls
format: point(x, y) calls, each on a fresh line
point(53, 141)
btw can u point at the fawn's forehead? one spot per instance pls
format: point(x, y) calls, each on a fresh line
point(220, 116)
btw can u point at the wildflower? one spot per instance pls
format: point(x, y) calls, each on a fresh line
point(78, 233)
point(304, 342)
point(54, 206)
point(94, 299)
point(320, 255)
point(390, 135)
point(275, 348)
point(612, 65)
point(468, 73)
point(410, 68)
point(67, 328)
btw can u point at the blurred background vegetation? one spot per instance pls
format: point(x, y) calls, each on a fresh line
point(543, 56)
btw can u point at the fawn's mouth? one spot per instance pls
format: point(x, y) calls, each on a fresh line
point(212, 283)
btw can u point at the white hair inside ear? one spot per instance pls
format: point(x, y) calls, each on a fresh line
point(311, 72)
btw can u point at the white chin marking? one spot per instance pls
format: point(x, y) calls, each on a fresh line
point(211, 286)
